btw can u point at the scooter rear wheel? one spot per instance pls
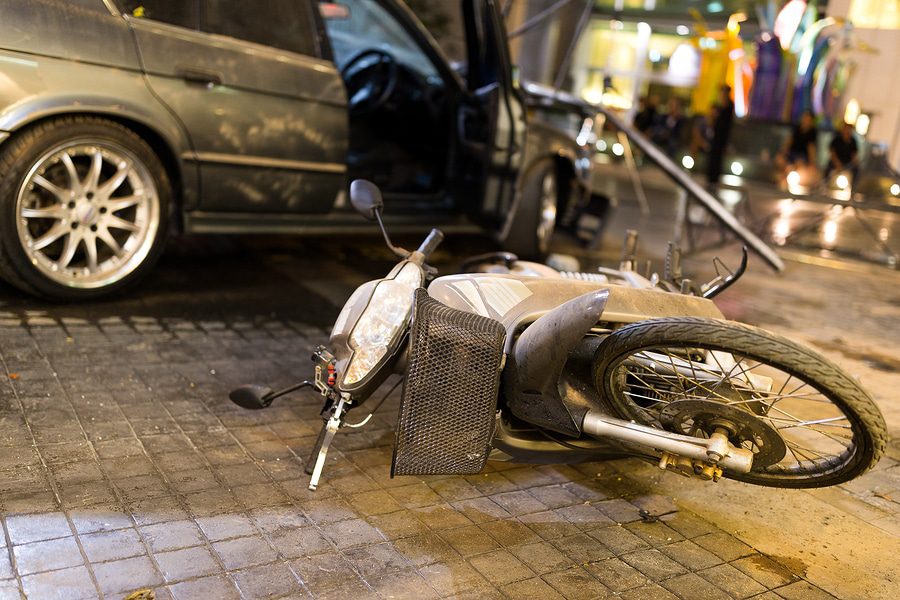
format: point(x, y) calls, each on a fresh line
point(831, 429)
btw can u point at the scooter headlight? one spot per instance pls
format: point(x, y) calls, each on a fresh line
point(380, 326)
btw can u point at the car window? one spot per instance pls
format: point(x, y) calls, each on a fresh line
point(283, 24)
point(184, 14)
point(365, 25)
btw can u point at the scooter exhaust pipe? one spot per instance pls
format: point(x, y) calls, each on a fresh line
point(738, 460)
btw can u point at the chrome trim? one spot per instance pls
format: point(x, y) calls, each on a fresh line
point(259, 161)
point(310, 224)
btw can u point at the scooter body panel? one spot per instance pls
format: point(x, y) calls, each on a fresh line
point(517, 301)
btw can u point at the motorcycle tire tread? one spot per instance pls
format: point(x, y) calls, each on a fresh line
point(779, 351)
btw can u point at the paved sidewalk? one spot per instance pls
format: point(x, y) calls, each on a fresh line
point(123, 466)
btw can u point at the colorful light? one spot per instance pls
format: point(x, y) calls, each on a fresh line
point(787, 22)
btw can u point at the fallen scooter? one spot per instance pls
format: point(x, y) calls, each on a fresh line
point(517, 361)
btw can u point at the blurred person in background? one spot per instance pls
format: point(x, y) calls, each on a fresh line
point(843, 151)
point(799, 152)
point(667, 133)
point(645, 118)
point(724, 117)
point(702, 132)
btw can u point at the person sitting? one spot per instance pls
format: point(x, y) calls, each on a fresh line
point(842, 151)
point(800, 150)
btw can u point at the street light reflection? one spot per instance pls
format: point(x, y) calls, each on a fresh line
point(841, 181)
point(781, 227)
point(782, 230)
point(830, 232)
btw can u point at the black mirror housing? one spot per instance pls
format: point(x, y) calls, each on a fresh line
point(366, 198)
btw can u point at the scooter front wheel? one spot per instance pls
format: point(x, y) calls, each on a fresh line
point(808, 423)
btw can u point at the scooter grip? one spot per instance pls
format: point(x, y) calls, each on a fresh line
point(434, 239)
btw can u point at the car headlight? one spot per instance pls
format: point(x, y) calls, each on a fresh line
point(382, 323)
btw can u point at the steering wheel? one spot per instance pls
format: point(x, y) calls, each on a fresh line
point(371, 78)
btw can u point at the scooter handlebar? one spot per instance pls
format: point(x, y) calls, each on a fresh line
point(430, 244)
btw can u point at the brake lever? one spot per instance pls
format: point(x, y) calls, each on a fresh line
point(714, 290)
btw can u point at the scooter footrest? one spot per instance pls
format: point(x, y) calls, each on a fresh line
point(449, 400)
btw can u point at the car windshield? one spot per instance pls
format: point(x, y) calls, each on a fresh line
point(365, 25)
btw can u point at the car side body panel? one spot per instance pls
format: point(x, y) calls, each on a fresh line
point(268, 127)
point(47, 72)
point(34, 90)
point(85, 31)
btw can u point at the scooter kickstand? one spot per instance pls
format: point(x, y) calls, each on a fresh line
point(330, 428)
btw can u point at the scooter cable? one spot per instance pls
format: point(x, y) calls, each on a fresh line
point(377, 406)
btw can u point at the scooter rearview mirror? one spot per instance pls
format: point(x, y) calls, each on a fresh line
point(366, 198)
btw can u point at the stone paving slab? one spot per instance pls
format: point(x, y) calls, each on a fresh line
point(124, 466)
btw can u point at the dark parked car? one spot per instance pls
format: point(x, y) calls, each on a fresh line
point(124, 120)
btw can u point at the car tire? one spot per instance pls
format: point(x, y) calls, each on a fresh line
point(535, 219)
point(84, 208)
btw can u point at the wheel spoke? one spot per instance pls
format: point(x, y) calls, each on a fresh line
point(53, 234)
point(820, 422)
point(116, 180)
point(117, 204)
point(57, 211)
point(119, 223)
point(93, 175)
point(61, 194)
point(802, 450)
point(68, 253)
point(647, 385)
point(90, 248)
point(74, 179)
point(677, 374)
point(649, 398)
point(107, 238)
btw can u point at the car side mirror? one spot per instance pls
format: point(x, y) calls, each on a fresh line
point(366, 198)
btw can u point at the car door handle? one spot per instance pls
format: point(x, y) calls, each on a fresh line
point(201, 76)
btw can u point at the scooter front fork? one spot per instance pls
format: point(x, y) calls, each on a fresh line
point(320, 451)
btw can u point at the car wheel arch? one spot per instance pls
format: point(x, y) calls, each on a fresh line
point(160, 143)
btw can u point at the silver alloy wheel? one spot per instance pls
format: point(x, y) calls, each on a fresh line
point(547, 216)
point(87, 213)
